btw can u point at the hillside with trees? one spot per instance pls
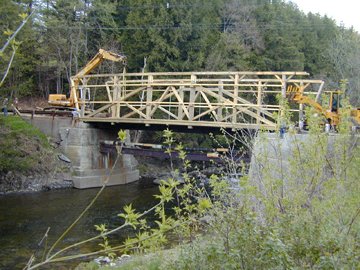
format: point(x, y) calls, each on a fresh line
point(195, 35)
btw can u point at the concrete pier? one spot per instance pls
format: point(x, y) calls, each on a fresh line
point(281, 163)
point(80, 143)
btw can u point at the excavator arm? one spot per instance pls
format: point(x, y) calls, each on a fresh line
point(296, 94)
point(97, 59)
point(60, 100)
point(91, 65)
point(332, 116)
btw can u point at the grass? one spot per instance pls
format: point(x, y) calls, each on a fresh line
point(18, 126)
point(22, 146)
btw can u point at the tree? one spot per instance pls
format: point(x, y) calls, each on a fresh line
point(239, 40)
point(280, 25)
point(344, 55)
point(10, 35)
point(173, 36)
point(65, 38)
point(318, 33)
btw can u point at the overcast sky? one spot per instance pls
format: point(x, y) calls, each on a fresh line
point(346, 11)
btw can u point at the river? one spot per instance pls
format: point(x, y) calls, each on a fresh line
point(25, 217)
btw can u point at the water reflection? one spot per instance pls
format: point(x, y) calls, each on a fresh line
point(24, 218)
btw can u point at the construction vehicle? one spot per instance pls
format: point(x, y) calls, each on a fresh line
point(332, 113)
point(61, 101)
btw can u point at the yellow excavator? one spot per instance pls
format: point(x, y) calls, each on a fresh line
point(61, 101)
point(332, 113)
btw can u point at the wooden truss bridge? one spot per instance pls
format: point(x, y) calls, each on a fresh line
point(235, 100)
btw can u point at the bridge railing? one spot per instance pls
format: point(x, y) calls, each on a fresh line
point(206, 99)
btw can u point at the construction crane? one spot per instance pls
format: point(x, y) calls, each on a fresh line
point(61, 101)
point(332, 113)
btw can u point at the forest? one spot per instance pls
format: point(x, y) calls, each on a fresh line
point(168, 35)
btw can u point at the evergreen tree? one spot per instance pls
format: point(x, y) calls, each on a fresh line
point(280, 25)
point(191, 35)
point(173, 36)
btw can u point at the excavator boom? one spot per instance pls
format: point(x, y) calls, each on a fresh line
point(296, 94)
point(61, 100)
point(97, 59)
point(332, 114)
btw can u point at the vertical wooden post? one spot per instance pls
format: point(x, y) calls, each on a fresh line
point(82, 97)
point(283, 86)
point(259, 101)
point(115, 109)
point(73, 94)
point(123, 87)
point(191, 102)
point(220, 93)
point(193, 89)
point(283, 95)
point(318, 94)
point(236, 94)
point(180, 109)
point(149, 96)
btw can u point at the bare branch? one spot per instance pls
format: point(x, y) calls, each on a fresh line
point(16, 32)
point(8, 67)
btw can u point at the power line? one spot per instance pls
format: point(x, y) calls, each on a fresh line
point(197, 26)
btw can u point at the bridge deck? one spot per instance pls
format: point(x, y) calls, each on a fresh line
point(234, 100)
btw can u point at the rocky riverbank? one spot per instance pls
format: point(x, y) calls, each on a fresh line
point(154, 170)
point(28, 162)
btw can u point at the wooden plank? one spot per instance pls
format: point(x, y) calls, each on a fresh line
point(205, 73)
point(259, 101)
point(236, 94)
point(254, 115)
point(211, 110)
point(181, 102)
point(149, 97)
point(184, 123)
point(244, 101)
point(92, 114)
point(191, 103)
point(318, 94)
point(209, 105)
point(164, 96)
point(180, 107)
point(220, 95)
point(156, 102)
point(135, 110)
point(168, 112)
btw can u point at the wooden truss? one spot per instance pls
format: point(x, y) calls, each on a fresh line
point(235, 100)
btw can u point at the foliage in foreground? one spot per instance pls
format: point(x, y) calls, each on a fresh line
point(301, 213)
point(296, 213)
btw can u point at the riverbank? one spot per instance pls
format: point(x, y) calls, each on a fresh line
point(28, 162)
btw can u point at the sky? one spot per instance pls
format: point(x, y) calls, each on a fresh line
point(343, 11)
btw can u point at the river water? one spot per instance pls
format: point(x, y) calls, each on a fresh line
point(25, 217)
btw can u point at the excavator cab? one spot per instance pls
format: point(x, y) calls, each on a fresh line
point(335, 101)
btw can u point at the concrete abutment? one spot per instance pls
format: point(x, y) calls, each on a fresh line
point(80, 143)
